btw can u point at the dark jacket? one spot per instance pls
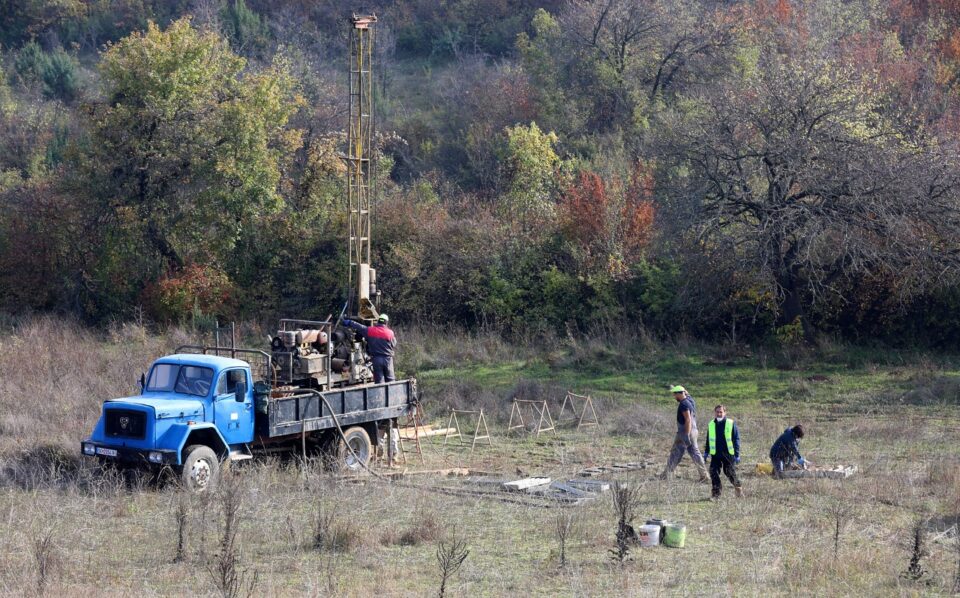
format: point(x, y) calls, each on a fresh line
point(687, 404)
point(381, 341)
point(786, 446)
point(722, 442)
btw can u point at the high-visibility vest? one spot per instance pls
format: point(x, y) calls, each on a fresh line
point(727, 433)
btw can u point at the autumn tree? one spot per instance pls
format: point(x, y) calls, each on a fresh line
point(184, 153)
point(609, 224)
point(796, 170)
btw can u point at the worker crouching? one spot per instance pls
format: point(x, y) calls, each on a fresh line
point(786, 449)
point(723, 450)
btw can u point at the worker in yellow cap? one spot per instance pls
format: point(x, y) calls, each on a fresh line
point(686, 439)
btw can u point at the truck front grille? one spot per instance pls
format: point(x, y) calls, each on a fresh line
point(122, 423)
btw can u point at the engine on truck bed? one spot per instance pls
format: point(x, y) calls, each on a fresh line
point(316, 358)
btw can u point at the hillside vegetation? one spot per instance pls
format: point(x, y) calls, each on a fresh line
point(756, 170)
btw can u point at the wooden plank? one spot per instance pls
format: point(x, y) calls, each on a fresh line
point(425, 431)
point(525, 483)
point(450, 471)
point(407, 433)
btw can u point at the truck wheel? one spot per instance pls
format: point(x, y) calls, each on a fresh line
point(201, 468)
point(358, 439)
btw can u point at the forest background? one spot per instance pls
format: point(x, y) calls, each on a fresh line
point(738, 171)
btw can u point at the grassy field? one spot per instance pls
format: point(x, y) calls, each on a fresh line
point(83, 531)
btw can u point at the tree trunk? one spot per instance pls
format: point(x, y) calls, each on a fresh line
point(163, 246)
point(792, 307)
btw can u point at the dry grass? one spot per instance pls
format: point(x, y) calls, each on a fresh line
point(54, 375)
point(117, 534)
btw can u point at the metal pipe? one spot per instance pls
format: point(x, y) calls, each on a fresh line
point(285, 321)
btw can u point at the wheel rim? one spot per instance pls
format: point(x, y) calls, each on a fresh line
point(200, 474)
point(360, 449)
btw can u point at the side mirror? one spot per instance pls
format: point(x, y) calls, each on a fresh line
point(241, 392)
point(142, 383)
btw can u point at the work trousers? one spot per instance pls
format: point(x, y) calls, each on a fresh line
point(681, 444)
point(781, 462)
point(725, 462)
point(383, 369)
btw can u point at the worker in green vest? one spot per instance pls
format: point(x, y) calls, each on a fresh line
point(723, 450)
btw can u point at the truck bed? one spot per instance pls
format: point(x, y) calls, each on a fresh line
point(352, 405)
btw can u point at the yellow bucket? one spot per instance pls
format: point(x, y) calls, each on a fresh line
point(765, 468)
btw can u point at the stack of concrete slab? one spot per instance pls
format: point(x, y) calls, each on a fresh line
point(525, 484)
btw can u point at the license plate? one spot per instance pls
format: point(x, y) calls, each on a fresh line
point(106, 452)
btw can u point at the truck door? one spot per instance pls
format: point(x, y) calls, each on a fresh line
point(233, 418)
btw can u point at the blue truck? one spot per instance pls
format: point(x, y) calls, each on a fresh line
point(204, 407)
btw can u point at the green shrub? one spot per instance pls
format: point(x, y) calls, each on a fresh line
point(247, 32)
point(56, 72)
point(60, 77)
point(30, 61)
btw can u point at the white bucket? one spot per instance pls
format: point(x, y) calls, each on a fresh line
point(649, 535)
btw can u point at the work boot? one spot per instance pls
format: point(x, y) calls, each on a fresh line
point(665, 475)
point(738, 491)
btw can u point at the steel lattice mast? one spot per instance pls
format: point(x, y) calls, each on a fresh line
point(362, 278)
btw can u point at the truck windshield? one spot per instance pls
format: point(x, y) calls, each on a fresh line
point(187, 379)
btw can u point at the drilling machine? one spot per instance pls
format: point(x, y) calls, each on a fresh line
point(324, 354)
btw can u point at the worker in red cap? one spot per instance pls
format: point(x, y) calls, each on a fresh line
point(381, 345)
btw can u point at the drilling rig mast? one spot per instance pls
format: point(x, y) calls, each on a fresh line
point(362, 278)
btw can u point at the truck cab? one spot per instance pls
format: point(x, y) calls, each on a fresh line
point(193, 412)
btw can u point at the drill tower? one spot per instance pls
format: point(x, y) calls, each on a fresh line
point(362, 278)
